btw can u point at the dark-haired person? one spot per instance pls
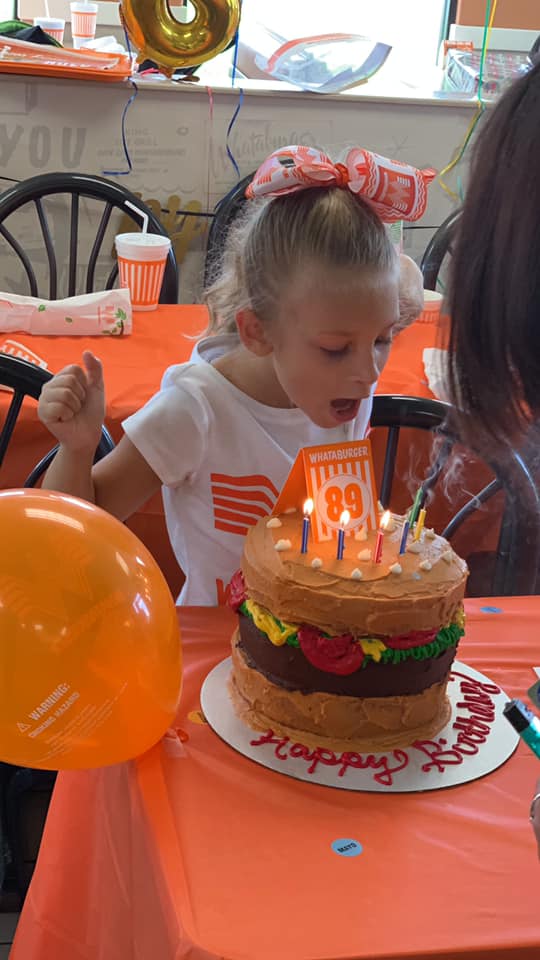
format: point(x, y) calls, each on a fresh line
point(494, 297)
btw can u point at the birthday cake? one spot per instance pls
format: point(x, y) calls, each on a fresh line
point(348, 654)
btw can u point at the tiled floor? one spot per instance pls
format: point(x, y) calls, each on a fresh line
point(8, 922)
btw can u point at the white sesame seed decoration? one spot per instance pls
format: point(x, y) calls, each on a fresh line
point(356, 574)
point(290, 510)
point(273, 522)
point(364, 555)
point(396, 568)
point(316, 563)
point(282, 545)
point(426, 565)
point(361, 534)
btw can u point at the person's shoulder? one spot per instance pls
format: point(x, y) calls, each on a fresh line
point(190, 376)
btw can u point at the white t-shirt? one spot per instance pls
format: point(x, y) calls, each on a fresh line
point(222, 458)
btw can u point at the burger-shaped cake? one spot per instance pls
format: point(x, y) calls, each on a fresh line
point(347, 654)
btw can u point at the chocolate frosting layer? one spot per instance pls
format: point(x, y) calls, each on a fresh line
point(287, 667)
point(383, 602)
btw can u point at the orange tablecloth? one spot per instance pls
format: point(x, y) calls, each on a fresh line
point(134, 367)
point(199, 853)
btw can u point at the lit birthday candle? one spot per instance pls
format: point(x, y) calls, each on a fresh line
point(344, 521)
point(420, 524)
point(308, 510)
point(385, 520)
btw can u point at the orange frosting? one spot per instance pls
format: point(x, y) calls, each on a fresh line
point(426, 594)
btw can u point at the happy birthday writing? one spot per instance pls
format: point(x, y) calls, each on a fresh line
point(472, 723)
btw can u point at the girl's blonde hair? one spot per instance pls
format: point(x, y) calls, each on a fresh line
point(274, 238)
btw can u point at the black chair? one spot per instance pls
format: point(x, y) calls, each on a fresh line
point(26, 793)
point(111, 196)
point(517, 557)
point(437, 249)
point(227, 210)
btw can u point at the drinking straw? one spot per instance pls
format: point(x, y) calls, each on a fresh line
point(144, 216)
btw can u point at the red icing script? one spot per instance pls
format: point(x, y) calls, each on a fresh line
point(475, 712)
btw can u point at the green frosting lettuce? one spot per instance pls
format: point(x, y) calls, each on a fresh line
point(446, 637)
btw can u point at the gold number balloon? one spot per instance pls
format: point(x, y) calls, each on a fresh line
point(158, 36)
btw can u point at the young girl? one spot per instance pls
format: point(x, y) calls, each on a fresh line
point(302, 317)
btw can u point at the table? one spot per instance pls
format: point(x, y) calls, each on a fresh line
point(194, 852)
point(134, 367)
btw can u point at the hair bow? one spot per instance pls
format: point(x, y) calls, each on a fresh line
point(395, 190)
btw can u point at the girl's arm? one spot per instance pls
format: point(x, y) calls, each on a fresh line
point(72, 406)
point(120, 483)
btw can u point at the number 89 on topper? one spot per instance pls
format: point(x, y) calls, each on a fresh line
point(343, 492)
point(340, 477)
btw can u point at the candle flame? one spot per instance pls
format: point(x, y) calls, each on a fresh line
point(308, 507)
point(345, 519)
point(385, 519)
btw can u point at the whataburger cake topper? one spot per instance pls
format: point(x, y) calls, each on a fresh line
point(337, 481)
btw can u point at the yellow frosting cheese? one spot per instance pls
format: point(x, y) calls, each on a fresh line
point(277, 633)
point(375, 648)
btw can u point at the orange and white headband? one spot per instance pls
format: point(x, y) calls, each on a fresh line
point(395, 190)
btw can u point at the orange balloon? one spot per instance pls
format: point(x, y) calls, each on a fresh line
point(90, 654)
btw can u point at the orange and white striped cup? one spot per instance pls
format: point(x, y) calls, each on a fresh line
point(141, 265)
point(432, 307)
point(54, 26)
point(83, 22)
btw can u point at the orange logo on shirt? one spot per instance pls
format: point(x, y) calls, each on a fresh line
point(240, 501)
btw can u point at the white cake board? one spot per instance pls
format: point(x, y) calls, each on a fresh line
point(477, 740)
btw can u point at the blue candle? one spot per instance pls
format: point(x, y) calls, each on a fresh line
point(404, 535)
point(308, 509)
point(343, 521)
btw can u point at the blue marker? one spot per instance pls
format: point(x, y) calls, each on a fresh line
point(524, 722)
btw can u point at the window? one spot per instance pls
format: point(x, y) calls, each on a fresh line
point(7, 9)
point(413, 28)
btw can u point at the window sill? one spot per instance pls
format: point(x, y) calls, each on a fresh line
point(370, 92)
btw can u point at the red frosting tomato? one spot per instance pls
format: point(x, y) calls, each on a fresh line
point(416, 638)
point(339, 655)
point(237, 590)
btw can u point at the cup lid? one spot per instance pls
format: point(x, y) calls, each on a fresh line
point(54, 23)
point(432, 299)
point(144, 239)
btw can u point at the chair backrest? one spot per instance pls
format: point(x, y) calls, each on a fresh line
point(110, 196)
point(226, 211)
point(437, 249)
point(518, 551)
point(26, 380)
